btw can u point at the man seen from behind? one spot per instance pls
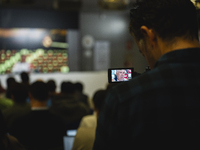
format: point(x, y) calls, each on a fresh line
point(159, 109)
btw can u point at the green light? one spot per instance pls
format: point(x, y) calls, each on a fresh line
point(34, 56)
point(17, 56)
point(14, 59)
point(45, 55)
point(3, 56)
point(60, 59)
point(45, 70)
point(39, 51)
point(64, 69)
point(28, 59)
point(64, 55)
point(11, 58)
point(40, 60)
point(50, 52)
point(24, 51)
point(8, 52)
point(7, 63)
point(3, 67)
point(50, 66)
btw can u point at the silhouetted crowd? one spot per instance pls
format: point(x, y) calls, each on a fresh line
point(36, 117)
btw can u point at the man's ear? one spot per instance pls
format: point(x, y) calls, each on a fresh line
point(149, 33)
point(97, 112)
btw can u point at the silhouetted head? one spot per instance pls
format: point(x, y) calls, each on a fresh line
point(19, 92)
point(51, 84)
point(79, 87)
point(24, 77)
point(168, 18)
point(67, 88)
point(10, 81)
point(39, 91)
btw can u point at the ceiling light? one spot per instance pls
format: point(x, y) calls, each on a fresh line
point(113, 4)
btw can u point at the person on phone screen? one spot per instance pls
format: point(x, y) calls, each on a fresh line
point(120, 74)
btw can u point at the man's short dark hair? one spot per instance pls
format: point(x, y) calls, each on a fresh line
point(67, 88)
point(79, 86)
point(39, 91)
point(10, 81)
point(51, 84)
point(169, 18)
point(19, 92)
point(24, 77)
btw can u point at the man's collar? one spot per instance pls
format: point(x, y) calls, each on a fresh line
point(180, 56)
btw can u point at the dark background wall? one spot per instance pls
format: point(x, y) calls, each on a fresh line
point(111, 26)
point(38, 18)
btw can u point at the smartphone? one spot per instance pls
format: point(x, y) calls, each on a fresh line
point(118, 75)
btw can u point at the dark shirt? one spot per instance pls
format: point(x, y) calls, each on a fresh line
point(16, 111)
point(69, 109)
point(159, 109)
point(83, 98)
point(39, 130)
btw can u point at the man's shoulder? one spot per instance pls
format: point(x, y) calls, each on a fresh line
point(135, 86)
point(36, 115)
point(32, 119)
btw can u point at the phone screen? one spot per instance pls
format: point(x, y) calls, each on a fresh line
point(117, 75)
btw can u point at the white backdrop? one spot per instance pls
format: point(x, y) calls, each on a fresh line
point(92, 81)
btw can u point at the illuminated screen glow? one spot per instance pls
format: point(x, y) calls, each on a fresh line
point(33, 50)
point(126, 76)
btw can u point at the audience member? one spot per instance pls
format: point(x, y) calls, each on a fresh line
point(39, 129)
point(25, 79)
point(98, 102)
point(51, 84)
point(8, 142)
point(80, 95)
point(67, 88)
point(52, 91)
point(5, 95)
point(159, 109)
point(86, 132)
point(66, 106)
point(10, 81)
point(19, 94)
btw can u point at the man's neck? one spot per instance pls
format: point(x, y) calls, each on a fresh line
point(165, 47)
point(36, 103)
point(180, 44)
